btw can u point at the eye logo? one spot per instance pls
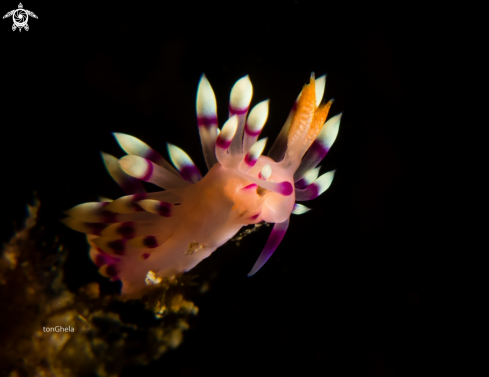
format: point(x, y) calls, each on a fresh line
point(20, 17)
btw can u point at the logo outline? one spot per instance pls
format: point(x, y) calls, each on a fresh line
point(20, 16)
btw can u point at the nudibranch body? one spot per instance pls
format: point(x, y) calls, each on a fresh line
point(144, 237)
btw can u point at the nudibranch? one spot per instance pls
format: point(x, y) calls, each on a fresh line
point(144, 237)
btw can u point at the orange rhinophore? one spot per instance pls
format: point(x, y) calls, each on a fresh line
point(143, 237)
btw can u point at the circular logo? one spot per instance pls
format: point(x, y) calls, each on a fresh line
point(20, 17)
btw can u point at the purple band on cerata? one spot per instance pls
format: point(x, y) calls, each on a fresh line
point(190, 173)
point(100, 260)
point(118, 246)
point(221, 143)
point(164, 209)
point(301, 183)
point(313, 190)
point(207, 121)
point(137, 198)
point(96, 228)
point(130, 185)
point(152, 155)
point(149, 171)
point(145, 256)
point(318, 150)
point(250, 132)
point(126, 230)
point(234, 111)
point(112, 271)
point(249, 160)
point(108, 217)
point(150, 242)
point(103, 258)
point(309, 193)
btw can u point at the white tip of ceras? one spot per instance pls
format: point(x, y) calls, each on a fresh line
point(329, 131)
point(254, 153)
point(206, 100)
point(241, 95)
point(184, 164)
point(227, 133)
point(223, 141)
point(131, 144)
point(135, 166)
point(320, 85)
point(257, 118)
point(266, 172)
point(299, 209)
point(324, 181)
point(311, 176)
point(178, 156)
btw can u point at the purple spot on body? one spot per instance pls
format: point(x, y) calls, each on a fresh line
point(255, 216)
point(253, 185)
point(234, 111)
point(220, 142)
point(208, 121)
point(150, 242)
point(249, 160)
point(286, 188)
point(190, 173)
point(118, 246)
point(164, 209)
point(126, 230)
point(145, 256)
point(251, 132)
point(294, 107)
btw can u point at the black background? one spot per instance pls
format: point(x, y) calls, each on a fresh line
point(354, 289)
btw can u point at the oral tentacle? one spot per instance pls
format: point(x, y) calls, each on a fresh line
point(278, 233)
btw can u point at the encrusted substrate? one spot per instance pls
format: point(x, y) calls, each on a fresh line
point(96, 340)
